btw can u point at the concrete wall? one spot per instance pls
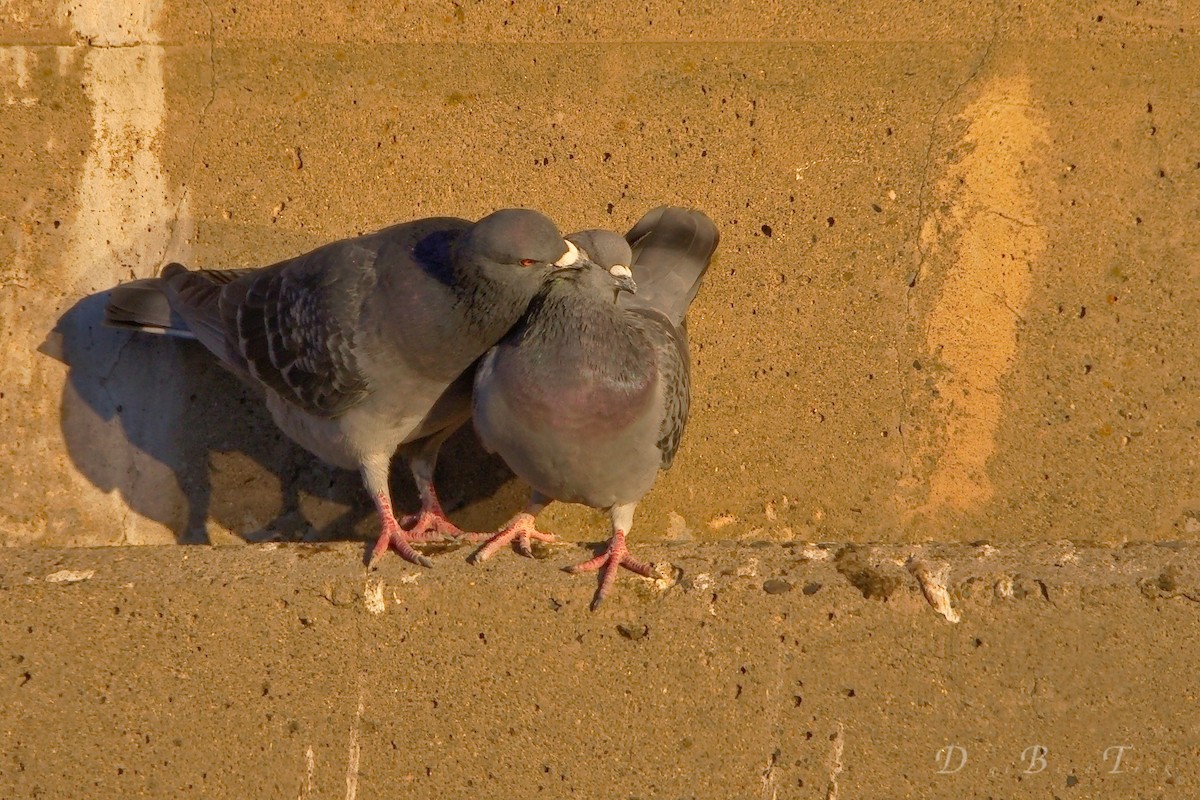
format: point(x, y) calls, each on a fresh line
point(955, 297)
point(777, 673)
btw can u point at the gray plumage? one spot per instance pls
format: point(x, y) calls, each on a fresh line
point(605, 248)
point(587, 397)
point(671, 250)
point(366, 343)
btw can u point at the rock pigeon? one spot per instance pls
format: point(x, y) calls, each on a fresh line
point(587, 397)
point(367, 343)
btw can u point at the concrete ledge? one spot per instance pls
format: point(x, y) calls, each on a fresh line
point(750, 671)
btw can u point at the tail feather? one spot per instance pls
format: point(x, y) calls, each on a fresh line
point(672, 248)
point(141, 305)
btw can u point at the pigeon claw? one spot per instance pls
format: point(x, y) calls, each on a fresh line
point(520, 530)
point(431, 525)
point(396, 538)
point(609, 563)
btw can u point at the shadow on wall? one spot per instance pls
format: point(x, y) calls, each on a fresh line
point(184, 441)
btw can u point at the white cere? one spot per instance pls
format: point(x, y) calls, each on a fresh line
point(568, 258)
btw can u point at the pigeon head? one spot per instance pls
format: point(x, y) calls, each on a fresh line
point(594, 278)
point(517, 237)
point(606, 248)
point(622, 278)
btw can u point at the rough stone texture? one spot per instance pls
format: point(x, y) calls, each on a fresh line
point(955, 300)
point(955, 293)
point(285, 671)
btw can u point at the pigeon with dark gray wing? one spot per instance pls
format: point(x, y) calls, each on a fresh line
point(587, 397)
point(366, 344)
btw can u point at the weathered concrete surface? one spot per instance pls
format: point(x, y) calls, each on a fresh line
point(754, 672)
point(956, 289)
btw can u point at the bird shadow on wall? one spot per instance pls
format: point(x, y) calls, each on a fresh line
point(188, 445)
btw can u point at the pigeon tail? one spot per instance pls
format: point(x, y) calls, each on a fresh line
point(672, 248)
point(141, 306)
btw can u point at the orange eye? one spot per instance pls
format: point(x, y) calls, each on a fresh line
point(527, 262)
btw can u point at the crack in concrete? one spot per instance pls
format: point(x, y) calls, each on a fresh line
point(1015, 220)
point(1000, 299)
point(933, 126)
point(90, 43)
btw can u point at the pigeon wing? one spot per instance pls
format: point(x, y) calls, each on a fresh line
point(670, 349)
point(292, 326)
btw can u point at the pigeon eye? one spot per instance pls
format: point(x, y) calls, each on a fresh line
point(527, 262)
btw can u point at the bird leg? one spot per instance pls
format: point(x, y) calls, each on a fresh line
point(375, 474)
point(394, 536)
point(521, 528)
point(615, 556)
point(431, 523)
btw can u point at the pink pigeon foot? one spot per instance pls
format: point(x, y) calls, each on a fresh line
point(394, 537)
point(615, 556)
point(521, 528)
point(430, 525)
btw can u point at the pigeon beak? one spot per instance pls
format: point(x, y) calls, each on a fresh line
point(624, 278)
point(570, 257)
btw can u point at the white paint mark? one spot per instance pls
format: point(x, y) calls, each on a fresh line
point(16, 64)
point(373, 597)
point(1005, 589)
point(70, 575)
point(355, 749)
point(933, 586)
point(978, 239)
point(835, 762)
point(126, 212)
point(14, 60)
point(109, 24)
point(310, 771)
